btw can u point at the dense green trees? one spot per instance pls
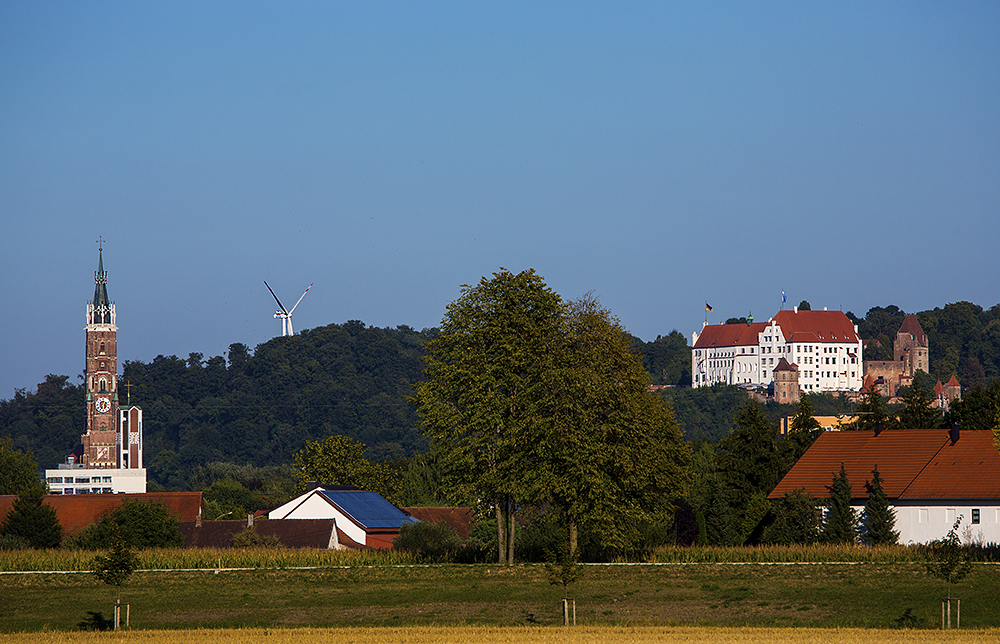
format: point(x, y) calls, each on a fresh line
point(18, 470)
point(139, 524)
point(840, 524)
point(878, 519)
point(32, 520)
point(339, 460)
point(529, 399)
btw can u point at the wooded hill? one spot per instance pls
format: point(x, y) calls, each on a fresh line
point(259, 408)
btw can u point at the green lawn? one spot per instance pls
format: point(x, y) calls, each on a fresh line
point(826, 595)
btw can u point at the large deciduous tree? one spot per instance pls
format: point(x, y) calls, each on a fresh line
point(340, 460)
point(610, 454)
point(480, 403)
point(529, 399)
point(18, 470)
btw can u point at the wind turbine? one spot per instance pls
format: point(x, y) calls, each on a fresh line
point(286, 316)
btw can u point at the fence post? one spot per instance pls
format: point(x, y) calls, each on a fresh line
point(118, 614)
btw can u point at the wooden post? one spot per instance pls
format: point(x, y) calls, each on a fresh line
point(567, 602)
point(946, 612)
point(118, 614)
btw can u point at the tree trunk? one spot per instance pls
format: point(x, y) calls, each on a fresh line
point(510, 534)
point(501, 534)
point(572, 538)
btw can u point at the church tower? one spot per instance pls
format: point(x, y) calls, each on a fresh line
point(101, 375)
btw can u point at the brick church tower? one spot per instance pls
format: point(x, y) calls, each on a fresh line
point(101, 376)
point(109, 457)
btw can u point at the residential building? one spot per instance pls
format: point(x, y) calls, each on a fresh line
point(931, 477)
point(366, 518)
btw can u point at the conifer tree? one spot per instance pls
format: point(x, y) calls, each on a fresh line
point(878, 519)
point(841, 519)
point(30, 519)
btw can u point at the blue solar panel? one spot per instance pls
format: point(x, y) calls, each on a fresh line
point(369, 509)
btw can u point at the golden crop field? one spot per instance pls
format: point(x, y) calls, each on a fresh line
point(513, 635)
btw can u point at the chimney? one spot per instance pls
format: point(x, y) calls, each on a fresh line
point(953, 432)
point(879, 426)
point(311, 485)
point(250, 520)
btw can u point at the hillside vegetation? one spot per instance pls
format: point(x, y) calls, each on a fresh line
point(259, 407)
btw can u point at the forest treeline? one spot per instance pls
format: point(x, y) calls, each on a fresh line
point(259, 407)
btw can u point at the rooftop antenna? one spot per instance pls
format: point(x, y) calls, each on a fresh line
point(286, 315)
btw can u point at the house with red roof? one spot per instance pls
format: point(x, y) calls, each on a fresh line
point(822, 346)
point(931, 476)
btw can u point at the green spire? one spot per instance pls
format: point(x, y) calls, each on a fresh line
point(102, 305)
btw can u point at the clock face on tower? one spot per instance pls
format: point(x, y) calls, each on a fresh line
point(103, 405)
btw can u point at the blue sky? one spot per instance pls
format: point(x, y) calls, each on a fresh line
point(658, 154)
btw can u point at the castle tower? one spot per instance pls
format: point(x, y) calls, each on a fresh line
point(100, 443)
point(786, 382)
point(910, 347)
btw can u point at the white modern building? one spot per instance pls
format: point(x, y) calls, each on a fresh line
point(824, 345)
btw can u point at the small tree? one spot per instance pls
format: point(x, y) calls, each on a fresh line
point(796, 519)
point(116, 567)
point(947, 559)
point(841, 519)
point(32, 520)
point(140, 524)
point(878, 519)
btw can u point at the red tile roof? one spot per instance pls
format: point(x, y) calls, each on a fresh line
point(460, 519)
point(914, 464)
point(77, 511)
point(729, 335)
point(784, 366)
point(829, 326)
point(912, 326)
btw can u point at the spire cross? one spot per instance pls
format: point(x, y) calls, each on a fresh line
point(128, 393)
point(100, 242)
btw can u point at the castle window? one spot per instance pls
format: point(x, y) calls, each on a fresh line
point(102, 347)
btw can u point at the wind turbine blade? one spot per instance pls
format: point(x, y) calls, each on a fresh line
point(300, 298)
point(276, 297)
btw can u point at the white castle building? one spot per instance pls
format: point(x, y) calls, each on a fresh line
point(823, 346)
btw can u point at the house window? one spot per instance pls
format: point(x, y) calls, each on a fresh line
point(975, 515)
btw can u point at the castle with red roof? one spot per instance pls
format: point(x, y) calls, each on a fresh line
point(810, 351)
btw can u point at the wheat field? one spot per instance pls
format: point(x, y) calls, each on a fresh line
point(512, 635)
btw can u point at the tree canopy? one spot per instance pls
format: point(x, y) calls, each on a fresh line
point(532, 399)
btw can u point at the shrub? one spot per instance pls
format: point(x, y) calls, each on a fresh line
point(250, 538)
point(435, 541)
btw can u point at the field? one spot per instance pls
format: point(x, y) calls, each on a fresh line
point(826, 595)
point(518, 635)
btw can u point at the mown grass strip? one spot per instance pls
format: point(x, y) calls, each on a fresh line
point(518, 635)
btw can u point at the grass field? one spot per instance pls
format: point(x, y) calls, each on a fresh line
point(860, 595)
point(517, 634)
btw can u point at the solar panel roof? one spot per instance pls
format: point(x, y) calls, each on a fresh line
point(370, 509)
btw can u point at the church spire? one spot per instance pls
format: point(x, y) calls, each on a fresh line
point(102, 307)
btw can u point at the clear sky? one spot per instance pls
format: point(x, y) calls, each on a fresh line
point(658, 154)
